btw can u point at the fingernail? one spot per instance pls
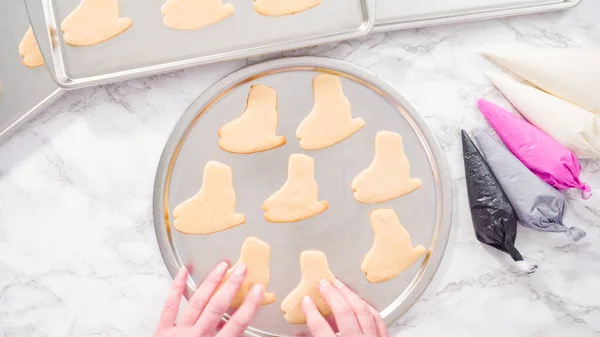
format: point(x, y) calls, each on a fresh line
point(324, 283)
point(240, 269)
point(307, 300)
point(257, 290)
point(181, 276)
point(222, 267)
point(338, 284)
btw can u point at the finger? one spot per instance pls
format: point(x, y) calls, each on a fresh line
point(331, 320)
point(245, 314)
point(171, 307)
point(202, 295)
point(382, 330)
point(344, 316)
point(219, 303)
point(316, 323)
point(360, 308)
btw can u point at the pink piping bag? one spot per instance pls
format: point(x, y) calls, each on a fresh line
point(547, 158)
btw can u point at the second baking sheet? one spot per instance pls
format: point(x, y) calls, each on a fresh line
point(404, 14)
point(151, 47)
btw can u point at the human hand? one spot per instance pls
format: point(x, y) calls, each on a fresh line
point(353, 316)
point(206, 307)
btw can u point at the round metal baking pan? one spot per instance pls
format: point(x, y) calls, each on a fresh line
point(342, 232)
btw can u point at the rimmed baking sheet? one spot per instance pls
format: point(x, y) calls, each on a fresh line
point(150, 47)
point(343, 231)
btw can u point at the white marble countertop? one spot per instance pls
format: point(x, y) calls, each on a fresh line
point(78, 256)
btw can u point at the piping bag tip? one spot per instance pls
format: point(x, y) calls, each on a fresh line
point(483, 104)
point(575, 234)
point(496, 115)
point(526, 267)
point(489, 109)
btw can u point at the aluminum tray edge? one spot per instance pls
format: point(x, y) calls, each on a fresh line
point(469, 16)
point(423, 280)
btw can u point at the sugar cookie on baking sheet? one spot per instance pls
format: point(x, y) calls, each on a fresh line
point(314, 268)
point(212, 209)
point(283, 7)
point(195, 14)
point(392, 251)
point(30, 51)
point(253, 131)
point(255, 255)
point(94, 21)
point(298, 198)
point(330, 120)
point(388, 176)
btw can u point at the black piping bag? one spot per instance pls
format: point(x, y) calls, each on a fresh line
point(494, 219)
point(537, 205)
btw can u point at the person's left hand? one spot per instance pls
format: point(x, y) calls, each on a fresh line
point(206, 307)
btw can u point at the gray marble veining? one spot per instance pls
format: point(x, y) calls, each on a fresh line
point(78, 255)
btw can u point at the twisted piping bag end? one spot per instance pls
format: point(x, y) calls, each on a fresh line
point(523, 266)
point(526, 267)
point(575, 234)
point(586, 192)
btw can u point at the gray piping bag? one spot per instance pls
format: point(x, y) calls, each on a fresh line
point(537, 204)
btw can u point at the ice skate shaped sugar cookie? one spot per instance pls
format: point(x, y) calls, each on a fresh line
point(392, 251)
point(195, 14)
point(255, 256)
point(94, 21)
point(298, 198)
point(330, 120)
point(314, 268)
point(388, 176)
point(253, 131)
point(212, 209)
point(30, 51)
point(283, 7)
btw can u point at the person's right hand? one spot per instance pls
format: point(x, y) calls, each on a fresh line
point(353, 316)
point(203, 315)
